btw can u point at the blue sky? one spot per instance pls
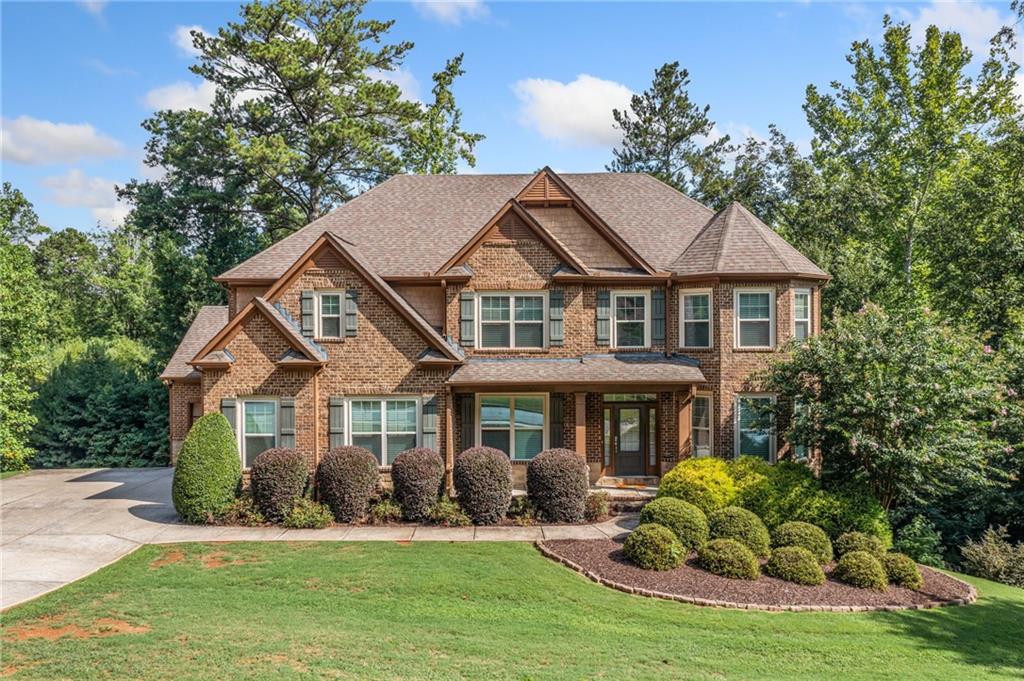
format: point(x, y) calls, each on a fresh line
point(79, 78)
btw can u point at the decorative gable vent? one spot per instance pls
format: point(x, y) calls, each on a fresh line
point(544, 192)
point(510, 228)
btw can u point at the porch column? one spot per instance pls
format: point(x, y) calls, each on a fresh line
point(449, 442)
point(581, 424)
point(684, 401)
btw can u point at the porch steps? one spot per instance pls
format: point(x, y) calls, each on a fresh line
point(628, 495)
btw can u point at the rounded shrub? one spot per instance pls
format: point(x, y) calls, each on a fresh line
point(686, 520)
point(901, 570)
point(703, 482)
point(347, 478)
point(795, 564)
point(483, 483)
point(733, 522)
point(558, 481)
point(858, 541)
point(810, 537)
point(861, 569)
point(208, 472)
point(654, 547)
point(418, 475)
point(728, 558)
point(279, 478)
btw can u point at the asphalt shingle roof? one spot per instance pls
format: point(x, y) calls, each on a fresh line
point(625, 369)
point(205, 326)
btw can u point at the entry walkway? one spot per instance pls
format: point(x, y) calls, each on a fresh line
point(57, 526)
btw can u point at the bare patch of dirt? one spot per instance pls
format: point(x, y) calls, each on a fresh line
point(219, 559)
point(168, 557)
point(404, 542)
point(52, 628)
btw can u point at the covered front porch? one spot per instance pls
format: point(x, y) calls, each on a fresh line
point(628, 416)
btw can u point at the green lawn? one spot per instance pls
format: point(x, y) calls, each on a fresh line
point(481, 610)
point(9, 474)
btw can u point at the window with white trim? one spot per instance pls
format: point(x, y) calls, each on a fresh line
point(385, 427)
point(515, 424)
point(329, 314)
point(801, 313)
point(755, 433)
point(700, 425)
point(631, 320)
point(259, 428)
point(695, 318)
point(755, 318)
point(512, 320)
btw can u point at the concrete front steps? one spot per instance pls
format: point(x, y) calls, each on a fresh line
point(628, 494)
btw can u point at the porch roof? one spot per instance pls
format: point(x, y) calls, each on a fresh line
point(651, 371)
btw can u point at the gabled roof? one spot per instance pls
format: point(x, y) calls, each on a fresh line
point(735, 242)
point(208, 321)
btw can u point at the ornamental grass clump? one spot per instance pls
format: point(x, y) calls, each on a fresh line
point(208, 472)
point(418, 475)
point(810, 537)
point(728, 558)
point(279, 478)
point(795, 564)
point(858, 541)
point(740, 524)
point(483, 483)
point(686, 520)
point(862, 570)
point(901, 570)
point(703, 482)
point(558, 481)
point(654, 547)
point(347, 478)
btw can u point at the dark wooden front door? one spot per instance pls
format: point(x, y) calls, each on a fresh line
point(629, 428)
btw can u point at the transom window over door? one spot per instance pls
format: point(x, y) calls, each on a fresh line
point(515, 424)
point(696, 319)
point(801, 313)
point(755, 435)
point(512, 320)
point(755, 318)
point(631, 326)
point(259, 429)
point(384, 427)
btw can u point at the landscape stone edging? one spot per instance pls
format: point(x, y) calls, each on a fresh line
point(972, 594)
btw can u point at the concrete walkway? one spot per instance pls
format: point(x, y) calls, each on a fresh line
point(57, 526)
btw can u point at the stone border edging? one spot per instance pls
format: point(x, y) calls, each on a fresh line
point(972, 594)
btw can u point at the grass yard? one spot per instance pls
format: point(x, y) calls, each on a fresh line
point(479, 610)
point(9, 474)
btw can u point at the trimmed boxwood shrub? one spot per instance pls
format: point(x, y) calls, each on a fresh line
point(208, 472)
point(279, 478)
point(686, 520)
point(483, 483)
point(728, 558)
point(417, 475)
point(861, 569)
point(740, 524)
point(558, 481)
point(795, 564)
point(810, 537)
point(347, 478)
point(858, 541)
point(901, 570)
point(654, 547)
point(703, 482)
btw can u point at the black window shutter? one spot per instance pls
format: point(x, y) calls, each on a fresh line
point(336, 422)
point(308, 303)
point(286, 423)
point(227, 407)
point(467, 318)
point(556, 313)
point(467, 412)
point(556, 415)
point(604, 317)
point(658, 315)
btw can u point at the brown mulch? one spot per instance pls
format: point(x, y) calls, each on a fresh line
point(604, 558)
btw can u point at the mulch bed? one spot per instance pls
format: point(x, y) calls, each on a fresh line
point(603, 561)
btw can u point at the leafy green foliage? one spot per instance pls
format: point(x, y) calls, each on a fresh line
point(279, 478)
point(919, 540)
point(306, 514)
point(993, 556)
point(598, 507)
point(849, 542)
point(523, 511)
point(347, 477)
point(19, 223)
point(862, 570)
point(806, 536)
point(729, 558)
point(686, 520)
point(418, 477)
point(242, 511)
point(654, 547)
point(208, 472)
point(795, 564)
point(385, 511)
point(703, 482)
point(558, 482)
point(483, 483)
point(901, 570)
point(448, 513)
point(740, 524)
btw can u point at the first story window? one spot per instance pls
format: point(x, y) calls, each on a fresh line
point(330, 315)
point(800, 412)
point(801, 314)
point(512, 320)
point(695, 318)
point(515, 424)
point(700, 425)
point(755, 433)
point(755, 318)
point(385, 427)
point(259, 429)
point(631, 326)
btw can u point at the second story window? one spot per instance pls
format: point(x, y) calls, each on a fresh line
point(511, 320)
point(330, 315)
point(801, 313)
point(755, 318)
point(695, 318)
point(631, 326)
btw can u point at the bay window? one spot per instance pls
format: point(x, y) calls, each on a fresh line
point(695, 319)
point(755, 433)
point(515, 424)
point(385, 427)
point(755, 318)
point(801, 314)
point(631, 327)
point(512, 320)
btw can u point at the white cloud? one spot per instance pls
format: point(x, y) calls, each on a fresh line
point(108, 70)
point(406, 82)
point(976, 23)
point(182, 95)
point(452, 12)
point(32, 141)
point(578, 113)
point(93, 7)
point(182, 39)
point(78, 190)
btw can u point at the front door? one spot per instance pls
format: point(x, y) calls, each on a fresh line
point(629, 428)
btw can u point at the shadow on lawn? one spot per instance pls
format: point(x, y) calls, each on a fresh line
point(987, 633)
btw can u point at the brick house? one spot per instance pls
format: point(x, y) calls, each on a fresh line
point(605, 313)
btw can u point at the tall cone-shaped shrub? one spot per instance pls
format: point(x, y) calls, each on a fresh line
point(208, 472)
